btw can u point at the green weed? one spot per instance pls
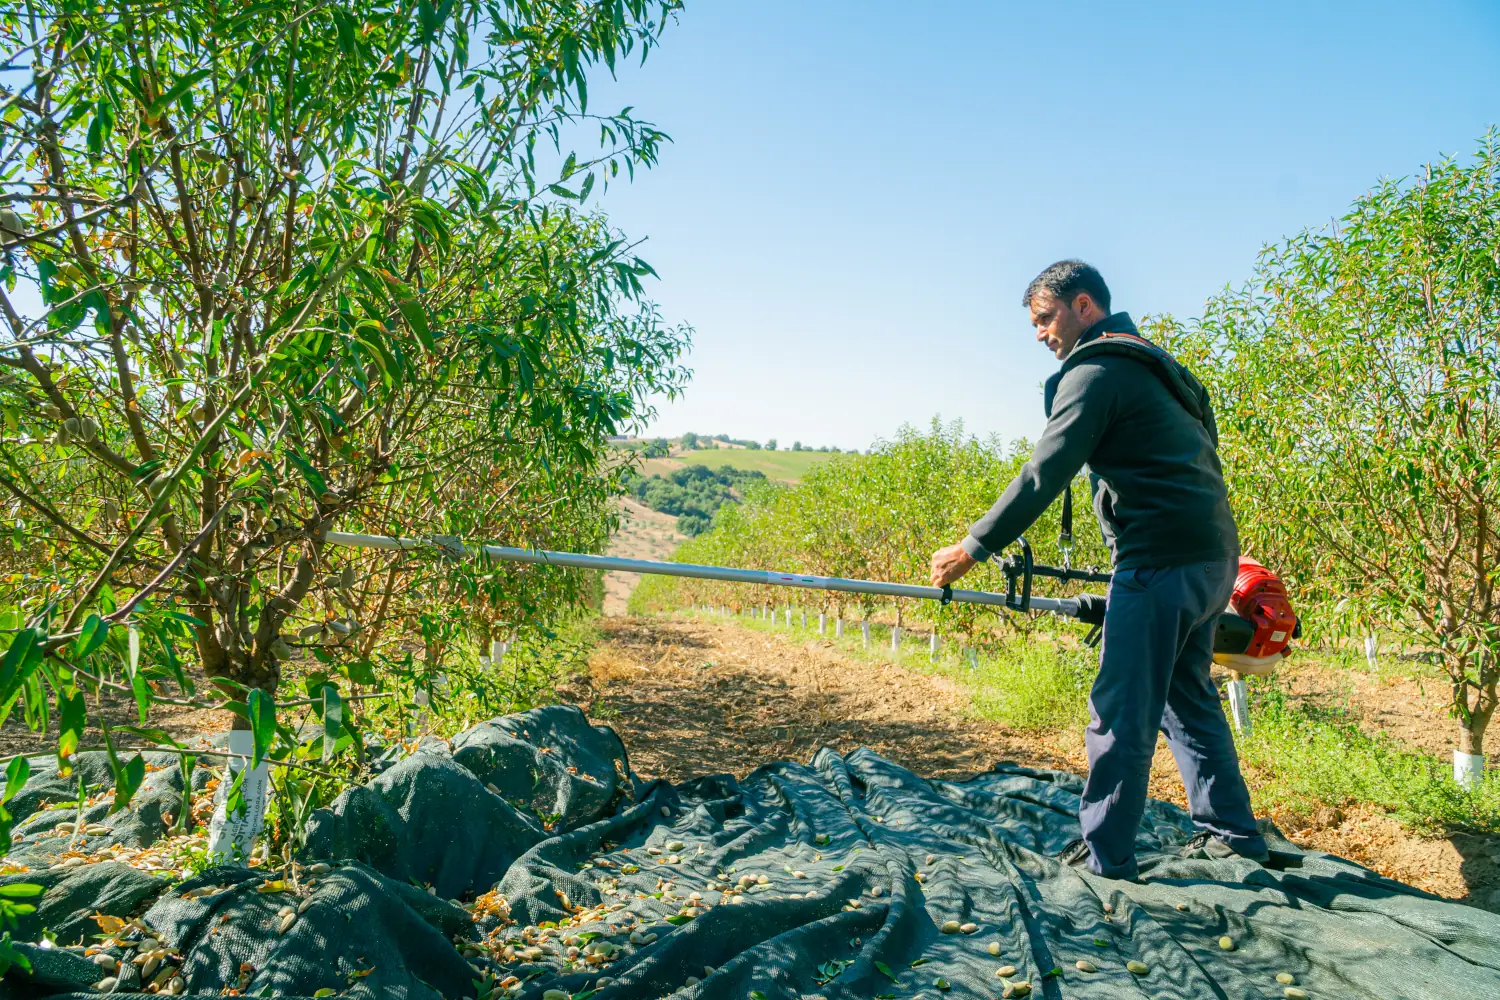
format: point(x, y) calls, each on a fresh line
point(1303, 757)
point(1027, 685)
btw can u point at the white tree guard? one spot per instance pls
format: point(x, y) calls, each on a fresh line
point(804, 618)
point(838, 628)
point(822, 623)
point(864, 629)
point(1371, 648)
point(1468, 769)
point(895, 640)
point(1239, 705)
point(233, 836)
point(932, 647)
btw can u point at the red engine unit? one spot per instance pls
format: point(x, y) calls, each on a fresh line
point(1260, 597)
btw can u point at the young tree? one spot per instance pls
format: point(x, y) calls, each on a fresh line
point(689, 441)
point(1358, 389)
point(771, 445)
point(279, 269)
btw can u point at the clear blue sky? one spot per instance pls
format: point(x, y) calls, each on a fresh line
point(858, 192)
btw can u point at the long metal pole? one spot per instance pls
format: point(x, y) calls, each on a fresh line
point(611, 564)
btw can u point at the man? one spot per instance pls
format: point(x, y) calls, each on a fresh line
point(1142, 424)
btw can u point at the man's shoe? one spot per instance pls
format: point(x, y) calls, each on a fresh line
point(1076, 854)
point(1205, 846)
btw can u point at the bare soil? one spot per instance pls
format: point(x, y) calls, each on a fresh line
point(180, 722)
point(1409, 702)
point(644, 534)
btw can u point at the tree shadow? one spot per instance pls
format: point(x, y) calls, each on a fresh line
point(1480, 867)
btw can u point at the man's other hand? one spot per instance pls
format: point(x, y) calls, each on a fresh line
point(949, 564)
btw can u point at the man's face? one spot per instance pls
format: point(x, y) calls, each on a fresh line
point(1057, 325)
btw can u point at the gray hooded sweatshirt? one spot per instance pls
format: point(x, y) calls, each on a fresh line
point(1144, 427)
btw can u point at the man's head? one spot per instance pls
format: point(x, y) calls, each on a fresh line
point(1065, 300)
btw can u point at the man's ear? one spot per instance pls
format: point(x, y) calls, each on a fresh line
point(1082, 302)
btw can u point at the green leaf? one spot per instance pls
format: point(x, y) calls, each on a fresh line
point(16, 667)
point(416, 318)
point(247, 481)
point(95, 633)
point(21, 890)
point(181, 87)
point(348, 44)
point(234, 799)
point(313, 476)
point(333, 720)
point(360, 672)
point(158, 736)
point(73, 715)
point(142, 471)
point(128, 778)
point(262, 711)
point(885, 970)
point(242, 436)
point(16, 773)
point(138, 686)
point(9, 956)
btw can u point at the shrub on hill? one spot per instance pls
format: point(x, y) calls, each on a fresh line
point(694, 494)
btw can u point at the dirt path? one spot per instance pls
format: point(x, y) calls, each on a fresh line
point(703, 696)
point(644, 534)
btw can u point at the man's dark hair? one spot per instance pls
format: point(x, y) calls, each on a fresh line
point(1065, 279)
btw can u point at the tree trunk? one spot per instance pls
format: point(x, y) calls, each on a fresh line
point(1471, 735)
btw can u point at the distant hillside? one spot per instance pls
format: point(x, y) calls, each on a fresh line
point(663, 455)
point(787, 466)
point(694, 493)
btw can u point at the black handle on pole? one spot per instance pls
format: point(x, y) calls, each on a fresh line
point(1018, 568)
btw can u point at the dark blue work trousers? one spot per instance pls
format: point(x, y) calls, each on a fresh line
point(1154, 675)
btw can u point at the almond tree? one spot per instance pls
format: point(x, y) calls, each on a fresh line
point(1357, 381)
point(278, 269)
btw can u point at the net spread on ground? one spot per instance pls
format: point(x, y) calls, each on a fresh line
point(525, 859)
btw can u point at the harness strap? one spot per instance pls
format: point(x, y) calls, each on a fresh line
point(1065, 535)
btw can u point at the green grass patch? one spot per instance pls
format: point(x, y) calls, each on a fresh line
point(1023, 685)
point(1031, 685)
point(1301, 757)
point(787, 466)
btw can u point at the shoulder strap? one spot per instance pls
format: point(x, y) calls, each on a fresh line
point(1174, 375)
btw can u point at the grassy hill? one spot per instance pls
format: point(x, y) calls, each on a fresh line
point(787, 466)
